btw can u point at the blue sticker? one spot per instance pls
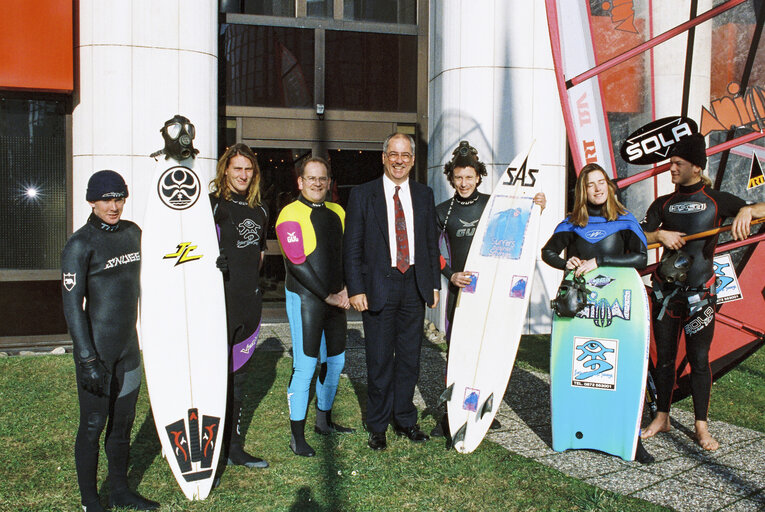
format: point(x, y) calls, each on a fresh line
point(470, 288)
point(518, 287)
point(470, 403)
point(507, 228)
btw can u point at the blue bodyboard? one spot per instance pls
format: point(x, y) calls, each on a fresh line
point(599, 364)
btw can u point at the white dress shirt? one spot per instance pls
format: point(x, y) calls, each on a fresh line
point(405, 196)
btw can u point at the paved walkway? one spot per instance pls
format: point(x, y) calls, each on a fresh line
point(684, 477)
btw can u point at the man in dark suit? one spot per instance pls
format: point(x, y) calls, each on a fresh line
point(390, 255)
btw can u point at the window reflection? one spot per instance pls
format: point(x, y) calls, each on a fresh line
point(32, 183)
point(385, 11)
point(368, 71)
point(268, 66)
point(262, 7)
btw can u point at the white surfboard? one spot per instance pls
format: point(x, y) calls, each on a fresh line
point(183, 322)
point(490, 312)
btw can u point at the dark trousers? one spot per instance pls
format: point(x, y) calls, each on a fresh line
point(393, 338)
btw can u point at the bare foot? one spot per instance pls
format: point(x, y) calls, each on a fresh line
point(659, 424)
point(704, 438)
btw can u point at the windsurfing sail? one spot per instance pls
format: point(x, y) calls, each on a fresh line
point(633, 77)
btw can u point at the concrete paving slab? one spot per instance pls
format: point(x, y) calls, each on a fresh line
point(684, 477)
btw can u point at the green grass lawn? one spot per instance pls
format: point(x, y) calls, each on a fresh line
point(38, 420)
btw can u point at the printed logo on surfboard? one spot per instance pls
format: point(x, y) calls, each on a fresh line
point(470, 400)
point(600, 281)
point(594, 363)
point(183, 253)
point(471, 286)
point(518, 287)
point(602, 313)
point(194, 448)
point(508, 219)
point(727, 282)
point(179, 188)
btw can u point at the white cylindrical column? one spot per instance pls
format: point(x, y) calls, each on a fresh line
point(491, 82)
point(140, 63)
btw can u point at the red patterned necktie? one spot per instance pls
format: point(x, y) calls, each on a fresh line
point(402, 241)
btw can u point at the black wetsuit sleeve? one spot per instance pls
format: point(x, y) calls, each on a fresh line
point(652, 219)
point(636, 255)
point(554, 246)
point(75, 259)
point(728, 204)
point(306, 276)
point(446, 271)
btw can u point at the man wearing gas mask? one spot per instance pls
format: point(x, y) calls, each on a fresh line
point(684, 282)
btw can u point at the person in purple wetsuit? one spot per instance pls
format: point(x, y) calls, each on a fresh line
point(241, 219)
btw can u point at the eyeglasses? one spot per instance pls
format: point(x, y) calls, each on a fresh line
point(315, 179)
point(406, 157)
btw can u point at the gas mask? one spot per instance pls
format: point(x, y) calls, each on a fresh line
point(674, 267)
point(571, 297)
point(179, 134)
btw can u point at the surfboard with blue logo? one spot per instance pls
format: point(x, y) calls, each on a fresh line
point(599, 365)
point(491, 311)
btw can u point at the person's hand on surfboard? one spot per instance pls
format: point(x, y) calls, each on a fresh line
point(460, 279)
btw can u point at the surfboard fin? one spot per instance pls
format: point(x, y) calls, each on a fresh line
point(486, 407)
point(459, 435)
point(446, 395)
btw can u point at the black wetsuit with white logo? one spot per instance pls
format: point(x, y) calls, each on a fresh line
point(100, 264)
point(689, 209)
point(458, 218)
point(242, 239)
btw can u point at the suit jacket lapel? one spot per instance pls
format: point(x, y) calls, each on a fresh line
point(380, 208)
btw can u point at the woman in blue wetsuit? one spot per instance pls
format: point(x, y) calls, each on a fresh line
point(599, 232)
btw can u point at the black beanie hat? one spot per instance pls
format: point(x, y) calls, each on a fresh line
point(106, 185)
point(691, 148)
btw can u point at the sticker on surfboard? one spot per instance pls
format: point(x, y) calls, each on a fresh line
point(470, 287)
point(726, 281)
point(470, 401)
point(595, 362)
point(518, 287)
point(194, 446)
point(506, 232)
point(179, 187)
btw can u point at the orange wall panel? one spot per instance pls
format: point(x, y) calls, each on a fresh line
point(36, 45)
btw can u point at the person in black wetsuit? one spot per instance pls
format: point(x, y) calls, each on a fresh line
point(241, 219)
point(599, 232)
point(688, 302)
point(100, 267)
point(310, 232)
point(457, 218)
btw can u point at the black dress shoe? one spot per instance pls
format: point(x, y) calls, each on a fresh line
point(377, 441)
point(413, 433)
